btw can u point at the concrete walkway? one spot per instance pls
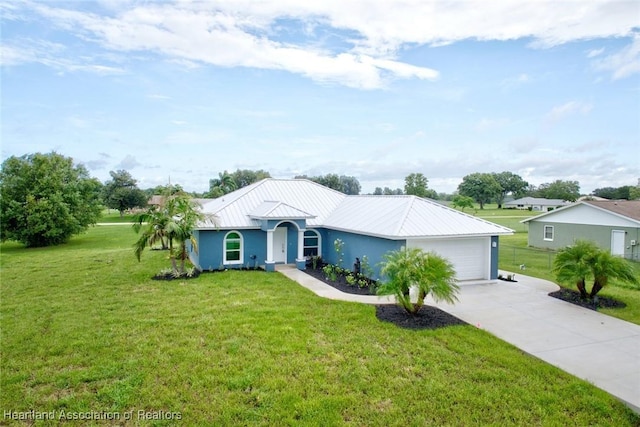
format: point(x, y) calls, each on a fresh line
point(600, 349)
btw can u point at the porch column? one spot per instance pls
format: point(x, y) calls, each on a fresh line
point(301, 262)
point(270, 264)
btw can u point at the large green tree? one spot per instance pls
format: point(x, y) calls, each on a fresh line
point(427, 272)
point(46, 199)
point(559, 189)
point(511, 184)
point(481, 187)
point(416, 184)
point(386, 191)
point(343, 183)
point(121, 192)
point(244, 177)
point(228, 182)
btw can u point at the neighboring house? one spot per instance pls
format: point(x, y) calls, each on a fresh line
point(535, 204)
point(289, 221)
point(613, 225)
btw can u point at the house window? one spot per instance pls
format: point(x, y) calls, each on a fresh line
point(233, 248)
point(311, 243)
point(548, 232)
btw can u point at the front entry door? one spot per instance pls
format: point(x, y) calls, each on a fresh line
point(280, 245)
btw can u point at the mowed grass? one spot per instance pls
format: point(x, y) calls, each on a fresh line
point(113, 216)
point(514, 252)
point(84, 328)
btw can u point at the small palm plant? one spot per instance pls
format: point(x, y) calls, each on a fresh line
point(573, 264)
point(584, 260)
point(427, 272)
point(605, 266)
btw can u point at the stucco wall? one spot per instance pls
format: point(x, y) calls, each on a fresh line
point(567, 234)
point(211, 247)
point(356, 245)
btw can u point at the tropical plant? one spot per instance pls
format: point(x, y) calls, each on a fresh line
point(584, 260)
point(171, 222)
point(331, 271)
point(605, 266)
point(573, 264)
point(365, 267)
point(427, 272)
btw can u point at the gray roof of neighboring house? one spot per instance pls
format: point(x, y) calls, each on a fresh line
point(537, 201)
point(383, 216)
point(628, 209)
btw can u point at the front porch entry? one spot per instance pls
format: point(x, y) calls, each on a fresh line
point(280, 245)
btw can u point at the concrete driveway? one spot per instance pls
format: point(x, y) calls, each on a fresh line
point(600, 349)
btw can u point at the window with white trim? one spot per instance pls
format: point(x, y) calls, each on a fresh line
point(311, 243)
point(548, 233)
point(233, 248)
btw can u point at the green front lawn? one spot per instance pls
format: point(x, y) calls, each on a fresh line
point(85, 329)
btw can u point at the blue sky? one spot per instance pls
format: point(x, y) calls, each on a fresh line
point(184, 90)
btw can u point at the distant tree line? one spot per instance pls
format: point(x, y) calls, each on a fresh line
point(46, 198)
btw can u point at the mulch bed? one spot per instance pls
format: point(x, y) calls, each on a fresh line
point(569, 295)
point(341, 284)
point(427, 318)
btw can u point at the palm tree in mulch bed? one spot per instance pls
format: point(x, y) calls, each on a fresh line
point(427, 272)
point(584, 260)
point(172, 222)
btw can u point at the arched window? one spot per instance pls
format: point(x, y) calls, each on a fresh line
point(233, 253)
point(311, 243)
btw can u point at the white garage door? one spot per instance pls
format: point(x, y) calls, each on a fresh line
point(470, 257)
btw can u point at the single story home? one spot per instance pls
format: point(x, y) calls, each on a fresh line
point(612, 225)
point(535, 204)
point(288, 221)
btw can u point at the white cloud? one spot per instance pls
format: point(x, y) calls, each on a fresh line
point(595, 52)
point(490, 124)
point(622, 63)
point(51, 55)
point(559, 112)
point(245, 33)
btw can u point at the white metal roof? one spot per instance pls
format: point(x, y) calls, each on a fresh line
point(234, 210)
point(537, 201)
point(392, 217)
point(407, 217)
point(278, 210)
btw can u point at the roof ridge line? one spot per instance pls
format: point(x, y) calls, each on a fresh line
point(412, 199)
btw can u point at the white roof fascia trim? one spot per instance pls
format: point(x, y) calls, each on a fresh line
point(551, 212)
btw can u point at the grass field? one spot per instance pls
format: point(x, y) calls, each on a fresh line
point(84, 328)
point(113, 216)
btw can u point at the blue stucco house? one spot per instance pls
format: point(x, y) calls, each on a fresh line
point(287, 221)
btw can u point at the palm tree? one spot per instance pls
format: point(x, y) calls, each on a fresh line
point(573, 264)
point(429, 273)
point(605, 266)
point(173, 221)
